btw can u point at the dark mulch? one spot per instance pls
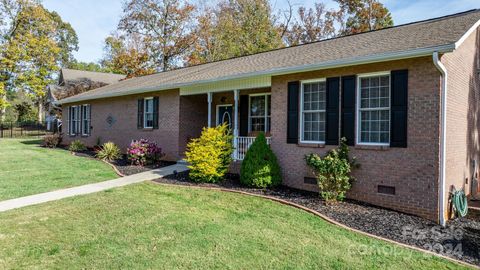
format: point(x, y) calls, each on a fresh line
point(460, 239)
point(124, 166)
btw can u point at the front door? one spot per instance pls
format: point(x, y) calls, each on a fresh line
point(225, 115)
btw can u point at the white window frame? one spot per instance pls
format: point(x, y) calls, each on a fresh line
point(266, 110)
point(85, 119)
point(302, 131)
point(73, 121)
point(358, 110)
point(145, 112)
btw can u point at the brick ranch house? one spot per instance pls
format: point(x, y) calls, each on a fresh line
point(406, 98)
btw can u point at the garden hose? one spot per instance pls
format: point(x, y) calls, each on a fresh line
point(459, 201)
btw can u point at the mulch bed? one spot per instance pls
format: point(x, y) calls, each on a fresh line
point(124, 166)
point(460, 239)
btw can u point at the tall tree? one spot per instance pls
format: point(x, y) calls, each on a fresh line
point(311, 25)
point(127, 56)
point(34, 44)
point(87, 66)
point(235, 28)
point(363, 15)
point(164, 26)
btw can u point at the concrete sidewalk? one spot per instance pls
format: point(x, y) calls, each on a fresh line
point(90, 188)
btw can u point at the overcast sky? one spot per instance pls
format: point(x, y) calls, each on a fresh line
point(93, 20)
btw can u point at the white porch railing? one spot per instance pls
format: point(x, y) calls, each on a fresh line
point(243, 143)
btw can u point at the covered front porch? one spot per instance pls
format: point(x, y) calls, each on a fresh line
point(246, 111)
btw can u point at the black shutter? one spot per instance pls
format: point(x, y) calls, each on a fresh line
point(333, 103)
point(140, 114)
point(89, 120)
point(348, 109)
point(69, 121)
point(399, 105)
point(244, 115)
point(292, 118)
point(155, 113)
point(82, 109)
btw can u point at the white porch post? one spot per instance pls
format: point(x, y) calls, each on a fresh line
point(235, 124)
point(209, 96)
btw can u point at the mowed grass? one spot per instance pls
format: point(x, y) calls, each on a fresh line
point(151, 226)
point(26, 169)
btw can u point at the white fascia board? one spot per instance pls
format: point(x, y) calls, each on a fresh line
point(282, 71)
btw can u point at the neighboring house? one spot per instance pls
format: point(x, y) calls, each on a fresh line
point(72, 82)
point(383, 90)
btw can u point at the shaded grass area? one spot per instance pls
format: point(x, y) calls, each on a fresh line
point(26, 169)
point(151, 226)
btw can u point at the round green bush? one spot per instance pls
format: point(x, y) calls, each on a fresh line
point(260, 167)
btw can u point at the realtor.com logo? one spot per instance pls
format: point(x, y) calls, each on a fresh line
point(439, 240)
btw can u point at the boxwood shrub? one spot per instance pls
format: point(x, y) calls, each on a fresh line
point(260, 167)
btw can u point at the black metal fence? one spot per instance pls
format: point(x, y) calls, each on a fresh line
point(25, 129)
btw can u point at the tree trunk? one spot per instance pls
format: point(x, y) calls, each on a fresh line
point(40, 111)
point(4, 109)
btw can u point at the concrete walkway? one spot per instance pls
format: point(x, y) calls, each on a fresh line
point(90, 188)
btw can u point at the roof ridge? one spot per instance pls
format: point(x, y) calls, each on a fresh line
point(323, 40)
point(89, 71)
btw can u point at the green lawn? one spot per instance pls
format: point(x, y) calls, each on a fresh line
point(150, 226)
point(26, 169)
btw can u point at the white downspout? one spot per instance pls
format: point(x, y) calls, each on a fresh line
point(443, 136)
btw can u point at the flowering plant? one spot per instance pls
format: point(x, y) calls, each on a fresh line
point(143, 152)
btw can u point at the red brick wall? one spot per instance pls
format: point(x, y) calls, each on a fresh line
point(193, 117)
point(413, 170)
point(124, 129)
point(463, 113)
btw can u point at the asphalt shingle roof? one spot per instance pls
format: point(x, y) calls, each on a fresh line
point(423, 35)
point(76, 75)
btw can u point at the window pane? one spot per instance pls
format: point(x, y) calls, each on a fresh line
point(375, 92)
point(375, 126)
point(375, 109)
point(257, 124)
point(149, 120)
point(314, 104)
point(257, 106)
point(314, 96)
point(314, 126)
point(148, 105)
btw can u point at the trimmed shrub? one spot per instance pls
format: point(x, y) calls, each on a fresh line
point(109, 152)
point(333, 172)
point(144, 152)
point(260, 167)
point(52, 141)
point(77, 146)
point(210, 155)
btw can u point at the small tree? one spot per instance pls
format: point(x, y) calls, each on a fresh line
point(333, 172)
point(210, 155)
point(260, 166)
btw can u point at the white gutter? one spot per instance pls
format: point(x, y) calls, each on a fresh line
point(277, 71)
point(443, 137)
